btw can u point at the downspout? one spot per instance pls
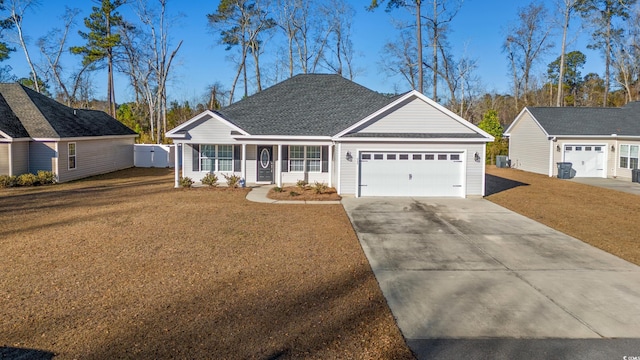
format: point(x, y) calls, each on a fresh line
point(484, 170)
point(10, 154)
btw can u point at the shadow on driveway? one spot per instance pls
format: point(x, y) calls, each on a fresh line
point(495, 184)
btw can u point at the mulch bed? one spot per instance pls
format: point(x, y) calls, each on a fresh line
point(300, 193)
point(604, 218)
point(125, 266)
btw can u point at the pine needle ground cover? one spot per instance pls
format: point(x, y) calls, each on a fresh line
point(124, 266)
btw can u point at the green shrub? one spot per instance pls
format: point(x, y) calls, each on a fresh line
point(27, 179)
point(46, 177)
point(293, 193)
point(302, 184)
point(186, 182)
point(320, 187)
point(232, 180)
point(7, 181)
point(278, 189)
point(210, 179)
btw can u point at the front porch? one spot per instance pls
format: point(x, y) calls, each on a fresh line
point(258, 163)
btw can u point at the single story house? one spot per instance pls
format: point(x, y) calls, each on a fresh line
point(39, 133)
point(324, 128)
point(599, 142)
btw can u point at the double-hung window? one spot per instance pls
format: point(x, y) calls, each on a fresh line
point(314, 159)
point(629, 156)
point(72, 155)
point(216, 158)
point(296, 158)
point(225, 157)
point(305, 158)
point(208, 158)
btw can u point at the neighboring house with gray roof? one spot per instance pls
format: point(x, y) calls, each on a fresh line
point(599, 142)
point(324, 128)
point(39, 133)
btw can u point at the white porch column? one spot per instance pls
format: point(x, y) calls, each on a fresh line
point(243, 165)
point(176, 164)
point(279, 167)
point(330, 164)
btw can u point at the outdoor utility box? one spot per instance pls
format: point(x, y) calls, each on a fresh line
point(501, 161)
point(564, 170)
point(635, 175)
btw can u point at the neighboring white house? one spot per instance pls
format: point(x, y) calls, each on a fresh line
point(599, 142)
point(39, 133)
point(328, 129)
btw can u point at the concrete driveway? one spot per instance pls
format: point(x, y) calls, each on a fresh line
point(468, 278)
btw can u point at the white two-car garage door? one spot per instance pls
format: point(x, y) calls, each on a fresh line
point(586, 160)
point(412, 174)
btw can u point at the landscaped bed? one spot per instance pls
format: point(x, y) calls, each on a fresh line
point(604, 218)
point(307, 193)
point(125, 266)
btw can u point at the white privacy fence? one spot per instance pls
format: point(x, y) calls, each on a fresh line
point(151, 155)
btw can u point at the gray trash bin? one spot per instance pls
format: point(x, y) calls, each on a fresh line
point(501, 161)
point(564, 170)
point(635, 175)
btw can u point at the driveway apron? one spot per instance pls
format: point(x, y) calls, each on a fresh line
point(468, 275)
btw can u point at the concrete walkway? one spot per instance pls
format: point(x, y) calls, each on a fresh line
point(613, 184)
point(466, 278)
point(259, 194)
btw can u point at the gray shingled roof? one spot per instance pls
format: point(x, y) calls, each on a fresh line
point(42, 117)
point(589, 121)
point(305, 105)
point(418, 135)
point(9, 122)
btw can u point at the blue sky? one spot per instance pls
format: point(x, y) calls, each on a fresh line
point(477, 31)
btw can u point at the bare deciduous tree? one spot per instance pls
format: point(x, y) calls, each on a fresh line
point(17, 10)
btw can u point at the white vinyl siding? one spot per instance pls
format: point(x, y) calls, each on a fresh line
point(349, 169)
point(529, 146)
point(42, 156)
point(414, 116)
point(94, 157)
point(4, 159)
point(209, 131)
point(20, 154)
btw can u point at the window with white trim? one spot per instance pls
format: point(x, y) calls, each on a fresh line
point(71, 147)
point(629, 156)
point(305, 158)
point(216, 158)
point(296, 158)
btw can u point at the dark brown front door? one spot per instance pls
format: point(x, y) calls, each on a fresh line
point(265, 164)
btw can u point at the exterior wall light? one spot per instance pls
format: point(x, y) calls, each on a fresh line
point(613, 148)
point(349, 156)
point(476, 156)
point(558, 148)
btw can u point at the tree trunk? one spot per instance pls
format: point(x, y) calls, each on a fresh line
point(435, 50)
point(567, 16)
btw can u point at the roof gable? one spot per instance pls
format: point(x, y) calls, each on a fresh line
point(414, 115)
point(305, 105)
point(586, 121)
point(43, 117)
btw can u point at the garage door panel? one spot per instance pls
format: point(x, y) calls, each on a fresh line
point(413, 174)
point(586, 160)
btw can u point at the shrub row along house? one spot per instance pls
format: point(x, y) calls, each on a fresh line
point(39, 133)
point(324, 128)
point(598, 142)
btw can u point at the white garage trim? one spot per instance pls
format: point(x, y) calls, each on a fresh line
point(393, 157)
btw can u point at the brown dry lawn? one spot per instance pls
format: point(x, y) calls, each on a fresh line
point(125, 266)
point(604, 218)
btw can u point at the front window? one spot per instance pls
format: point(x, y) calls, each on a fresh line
point(207, 158)
point(296, 158)
point(313, 159)
point(225, 157)
point(216, 158)
point(629, 156)
point(72, 155)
